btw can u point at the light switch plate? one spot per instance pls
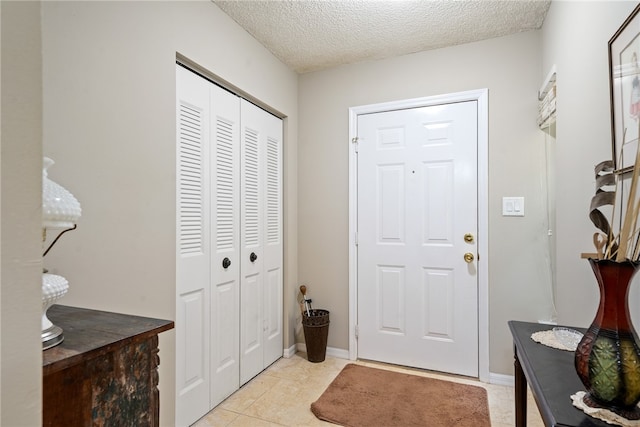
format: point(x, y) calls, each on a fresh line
point(513, 206)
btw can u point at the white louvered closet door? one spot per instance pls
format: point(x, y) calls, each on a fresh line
point(229, 246)
point(193, 247)
point(273, 243)
point(261, 238)
point(225, 260)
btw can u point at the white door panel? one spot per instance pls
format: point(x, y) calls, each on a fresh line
point(193, 247)
point(273, 246)
point(261, 212)
point(251, 327)
point(225, 295)
point(252, 216)
point(417, 198)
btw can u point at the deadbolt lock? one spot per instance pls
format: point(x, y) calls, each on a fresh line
point(468, 238)
point(468, 257)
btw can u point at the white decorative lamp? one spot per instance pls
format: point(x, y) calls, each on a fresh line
point(60, 211)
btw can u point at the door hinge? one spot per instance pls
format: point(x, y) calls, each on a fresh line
point(356, 238)
point(355, 141)
point(357, 331)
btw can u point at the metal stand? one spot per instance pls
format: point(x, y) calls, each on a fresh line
point(51, 337)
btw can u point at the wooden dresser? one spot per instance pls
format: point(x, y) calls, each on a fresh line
point(105, 372)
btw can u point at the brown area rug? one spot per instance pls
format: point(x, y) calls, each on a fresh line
point(363, 396)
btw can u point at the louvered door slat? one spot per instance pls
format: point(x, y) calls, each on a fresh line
point(251, 188)
point(190, 179)
point(273, 191)
point(226, 167)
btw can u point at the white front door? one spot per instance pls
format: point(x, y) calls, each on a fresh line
point(417, 186)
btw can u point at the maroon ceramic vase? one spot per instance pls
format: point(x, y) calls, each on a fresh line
point(607, 359)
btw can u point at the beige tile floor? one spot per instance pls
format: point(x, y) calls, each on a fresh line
point(282, 394)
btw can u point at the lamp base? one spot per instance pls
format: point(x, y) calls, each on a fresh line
point(53, 288)
point(52, 337)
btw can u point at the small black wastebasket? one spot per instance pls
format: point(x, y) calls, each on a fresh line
point(316, 331)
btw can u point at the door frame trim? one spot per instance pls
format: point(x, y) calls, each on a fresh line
point(482, 98)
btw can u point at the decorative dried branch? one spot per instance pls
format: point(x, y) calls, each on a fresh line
point(626, 243)
point(604, 178)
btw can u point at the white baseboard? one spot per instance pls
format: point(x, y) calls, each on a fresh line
point(287, 353)
point(501, 379)
point(338, 352)
point(331, 351)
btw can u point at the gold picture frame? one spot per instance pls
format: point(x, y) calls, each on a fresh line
point(624, 83)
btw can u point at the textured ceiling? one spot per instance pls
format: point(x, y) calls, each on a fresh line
point(310, 35)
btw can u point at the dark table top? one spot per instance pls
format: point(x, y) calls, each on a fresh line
point(551, 376)
point(91, 333)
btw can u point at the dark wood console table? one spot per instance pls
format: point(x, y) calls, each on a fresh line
point(105, 372)
point(551, 376)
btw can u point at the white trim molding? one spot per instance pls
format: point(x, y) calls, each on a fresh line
point(338, 353)
point(288, 353)
point(482, 98)
point(501, 379)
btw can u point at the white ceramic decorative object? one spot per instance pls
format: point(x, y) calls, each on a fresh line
point(60, 210)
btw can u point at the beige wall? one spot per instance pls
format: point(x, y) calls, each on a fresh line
point(20, 190)
point(510, 67)
point(109, 123)
point(575, 37)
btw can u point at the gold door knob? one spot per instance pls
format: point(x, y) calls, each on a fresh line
point(468, 257)
point(468, 238)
